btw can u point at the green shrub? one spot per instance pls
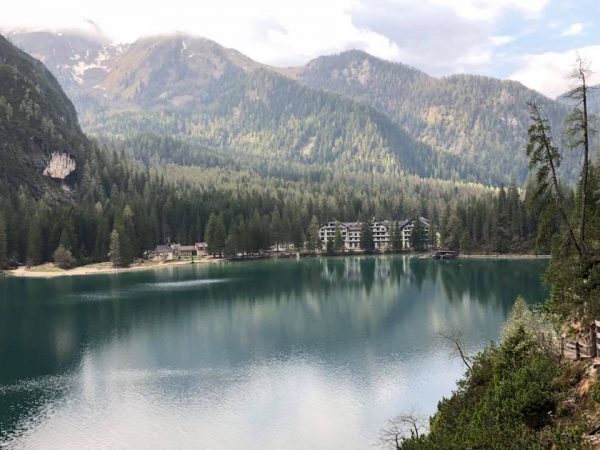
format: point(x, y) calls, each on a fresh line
point(63, 258)
point(595, 393)
point(508, 399)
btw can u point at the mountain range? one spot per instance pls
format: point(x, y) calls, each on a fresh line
point(350, 111)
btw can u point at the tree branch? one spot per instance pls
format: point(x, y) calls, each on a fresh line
point(455, 337)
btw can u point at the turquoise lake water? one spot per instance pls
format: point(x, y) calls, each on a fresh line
point(309, 354)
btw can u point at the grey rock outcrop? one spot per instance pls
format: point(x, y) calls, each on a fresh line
point(60, 166)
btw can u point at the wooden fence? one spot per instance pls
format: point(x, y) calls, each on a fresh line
point(588, 347)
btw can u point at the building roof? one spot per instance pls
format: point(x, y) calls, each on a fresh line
point(201, 245)
point(357, 226)
point(353, 226)
point(392, 223)
point(163, 249)
point(187, 248)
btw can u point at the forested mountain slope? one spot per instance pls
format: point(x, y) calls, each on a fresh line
point(481, 119)
point(194, 88)
point(40, 139)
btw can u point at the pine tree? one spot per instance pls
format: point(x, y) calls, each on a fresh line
point(418, 237)
point(67, 238)
point(329, 247)
point(3, 247)
point(34, 242)
point(338, 240)
point(366, 237)
point(115, 249)
point(215, 235)
point(445, 225)
point(432, 236)
point(396, 237)
point(126, 250)
point(465, 242)
point(232, 244)
point(256, 233)
point(102, 244)
point(297, 233)
point(313, 242)
point(276, 230)
point(502, 231)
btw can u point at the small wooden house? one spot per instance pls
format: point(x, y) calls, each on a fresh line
point(187, 250)
point(200, 248)
point(165, 252)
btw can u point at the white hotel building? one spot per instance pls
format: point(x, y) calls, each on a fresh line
point(382, 231)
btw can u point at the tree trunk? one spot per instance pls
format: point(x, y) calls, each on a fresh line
point(586, 153)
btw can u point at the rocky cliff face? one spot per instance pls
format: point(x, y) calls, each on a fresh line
point(60, 166)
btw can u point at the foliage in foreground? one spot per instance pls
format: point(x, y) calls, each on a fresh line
point(510, 398)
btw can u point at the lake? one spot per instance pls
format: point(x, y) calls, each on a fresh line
point(309, 354)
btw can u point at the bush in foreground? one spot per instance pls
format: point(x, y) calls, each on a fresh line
point(509, 397)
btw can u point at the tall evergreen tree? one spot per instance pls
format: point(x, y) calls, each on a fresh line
point(418, 238)
point(115, 249)
point(102, 243)
point(126, 246)
point(338, 240)
point(276, 229)
point(297, 233)
point(34, 242)
point(366, 237)
point(215, 235)
point(313, 241)
point(3, 247)
point(396, 237)
point(232, 245)
point(329, 247)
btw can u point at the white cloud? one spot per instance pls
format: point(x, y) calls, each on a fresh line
point(497, 41)
point(267, 30)
point(290, 32)
point(573, 29)
point(549, 72)
point(490, 9)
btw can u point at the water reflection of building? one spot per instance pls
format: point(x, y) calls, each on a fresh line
point(358, 269)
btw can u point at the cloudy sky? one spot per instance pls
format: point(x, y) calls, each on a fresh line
point(533, 41)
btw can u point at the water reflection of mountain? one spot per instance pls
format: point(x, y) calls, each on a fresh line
point(222, 316)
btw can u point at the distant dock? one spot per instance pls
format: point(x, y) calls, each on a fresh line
point(445, 254)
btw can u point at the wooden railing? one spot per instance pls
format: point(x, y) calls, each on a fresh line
point(582, 348)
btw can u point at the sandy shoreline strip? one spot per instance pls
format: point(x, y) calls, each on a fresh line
point(51, 271)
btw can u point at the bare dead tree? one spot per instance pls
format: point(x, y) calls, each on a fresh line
point(455, 337)
point(578, 132)
point(401, 429)
point(545, 157)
